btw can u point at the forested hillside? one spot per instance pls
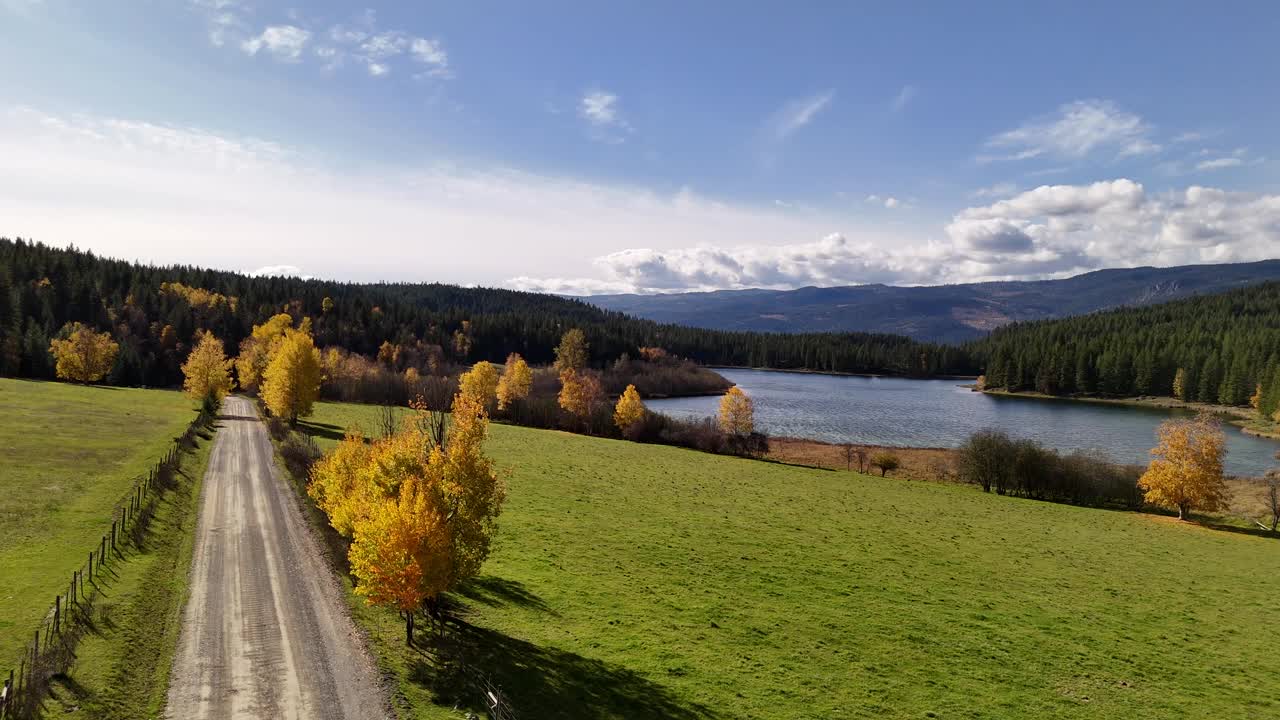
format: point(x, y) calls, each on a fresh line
point(154, 312)
point(1215, 348)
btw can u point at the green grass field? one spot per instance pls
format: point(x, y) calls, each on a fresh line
point(638, 581)
point(70, 454)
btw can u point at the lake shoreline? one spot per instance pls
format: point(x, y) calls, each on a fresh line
point(836, 373)
point(1243, 418)
point(911, 415)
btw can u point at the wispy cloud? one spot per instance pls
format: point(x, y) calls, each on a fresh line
point(286, 42)
point(1076, 131)
point(904, 96)
point(1219, 163)
point(796, 114)
point(359, 42)
point(600, 107)
point(602, 112)
point(889, 202)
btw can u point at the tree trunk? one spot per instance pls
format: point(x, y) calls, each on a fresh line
point(1182, 512)
point(408, 628)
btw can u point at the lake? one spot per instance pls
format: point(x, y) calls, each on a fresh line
point(940, 413)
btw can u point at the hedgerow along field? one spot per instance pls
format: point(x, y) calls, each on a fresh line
point(642, 581)
point(70, 453)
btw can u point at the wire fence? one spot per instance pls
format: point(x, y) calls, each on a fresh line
point(71, 614)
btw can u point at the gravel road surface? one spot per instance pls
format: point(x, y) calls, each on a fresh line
point(265, 632)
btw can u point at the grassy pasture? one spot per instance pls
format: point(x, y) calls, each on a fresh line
point(70, 453)
point(639, 581)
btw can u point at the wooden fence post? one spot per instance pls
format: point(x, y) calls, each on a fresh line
point(57, 613)
point(90, 566)
point(113, 538)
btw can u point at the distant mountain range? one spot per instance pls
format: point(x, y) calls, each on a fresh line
point(943, 313)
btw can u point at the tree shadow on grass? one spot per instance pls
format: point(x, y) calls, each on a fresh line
point(321, 430)
point(541, 682)
point(495, 592)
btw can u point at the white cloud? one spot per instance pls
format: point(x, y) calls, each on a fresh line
point(229, 22)
point(1219, 163)
point(279, 271)
point(599, 107)
point(1050, 231)
point(798, 113)
point(430, 53)
point(904, 96)
point(606, 123)
point(1077, 130)
point(284, 41)
point(889, 201)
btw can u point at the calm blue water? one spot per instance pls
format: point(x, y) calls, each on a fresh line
point(939, 413)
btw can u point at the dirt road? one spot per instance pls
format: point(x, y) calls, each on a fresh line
point(265, 631)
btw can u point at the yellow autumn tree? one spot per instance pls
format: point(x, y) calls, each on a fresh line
point(480, 382)
point(421, 515)
point(579, 391)
point(737, 413)
point(1186, 471)
point(400, 555)
point(207, 372)
point(1256, 399)
point(338, 483)
point(571, 353)
point(291, 382)
point(629, 410)
point(515, 383)
point(470, 487)
point(1180, 388)
point(256, 350)
point(83, 355)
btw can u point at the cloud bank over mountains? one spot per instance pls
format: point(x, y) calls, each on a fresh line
point(1050, 231)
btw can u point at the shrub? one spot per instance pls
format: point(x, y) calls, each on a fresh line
point(278, 428)
point(1024, 468)
point(299, 453)
point(886, 461)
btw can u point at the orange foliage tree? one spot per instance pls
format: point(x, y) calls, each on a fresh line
point(580, 390)
point(1186, 472)
point(420, 514)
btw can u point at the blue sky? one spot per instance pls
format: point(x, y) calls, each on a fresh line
point(590, 147)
